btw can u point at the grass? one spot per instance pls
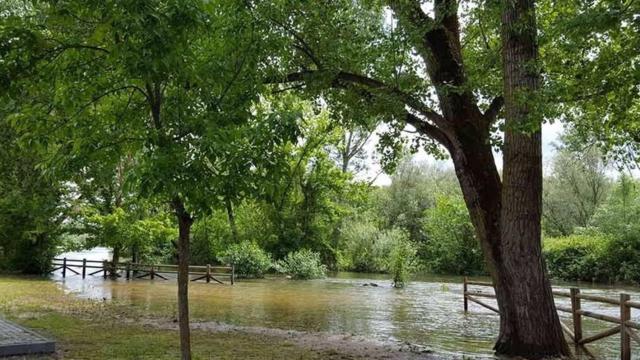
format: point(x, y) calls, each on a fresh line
point(87, 329)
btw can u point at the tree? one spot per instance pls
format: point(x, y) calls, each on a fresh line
point(576, 187)
point(590, 55)
point(617, 216)
point(31, 207)
point(101, 198)
point(146, 232)
point(135, 78)
point(348, 52)
point(303, 200)
point(350, 153)
point(522, 278)
point(412, 191)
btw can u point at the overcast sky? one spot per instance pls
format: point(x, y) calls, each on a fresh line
point(550, 135)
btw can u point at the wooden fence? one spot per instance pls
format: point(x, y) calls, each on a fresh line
point(623, 324)
point(131, 270)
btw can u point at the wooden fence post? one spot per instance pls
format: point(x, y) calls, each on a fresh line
point(152, 273)
point(64, 267)
point(84, 268)
point(625, 339)
point(104, 268)
point(128, 271)
point(208, 273)
point(464, 293)
point(575, 311)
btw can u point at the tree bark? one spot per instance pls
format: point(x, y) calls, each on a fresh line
point(529, 324)
point(184, 225)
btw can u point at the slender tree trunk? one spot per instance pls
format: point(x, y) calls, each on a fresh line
point(529, 323)
point(115, 259)
point(155, 98)
point(135, 254)
point(184, 224)
point(232, 219)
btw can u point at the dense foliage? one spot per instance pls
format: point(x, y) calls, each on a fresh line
point(163, 114)
point(401, 261)
point(607, 249)
point(31, 207)
point(248, 258)
point(302, 265)
point(135, 121)
point(452, 248)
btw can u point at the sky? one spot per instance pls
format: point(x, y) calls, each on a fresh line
point(550, 136)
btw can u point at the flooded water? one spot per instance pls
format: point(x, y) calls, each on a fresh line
point(429, 312)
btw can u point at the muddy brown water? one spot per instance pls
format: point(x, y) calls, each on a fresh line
point(427, 313)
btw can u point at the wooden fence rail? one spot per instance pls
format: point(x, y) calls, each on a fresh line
point(131, 270)
point(623, 324)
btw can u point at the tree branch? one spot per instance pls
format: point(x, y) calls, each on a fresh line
point(429, 130)
point(493, 110)
point(343, 78)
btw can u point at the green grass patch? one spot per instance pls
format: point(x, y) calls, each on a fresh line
point(87, 329)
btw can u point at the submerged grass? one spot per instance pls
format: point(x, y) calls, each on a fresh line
point(89, 329)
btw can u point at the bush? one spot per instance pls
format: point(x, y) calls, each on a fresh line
point(623, 259)
point(303, 264)
point(249, 259)
point(594, 257)
point(401, 260)
point(577, 257)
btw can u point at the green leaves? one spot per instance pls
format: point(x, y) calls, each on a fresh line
point(170, 83)
point(31, 208)
point(590, 52)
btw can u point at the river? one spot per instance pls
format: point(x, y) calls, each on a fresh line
point(428, 312)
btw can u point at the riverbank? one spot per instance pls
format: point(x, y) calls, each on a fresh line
point(333, 318)
point(109, 329)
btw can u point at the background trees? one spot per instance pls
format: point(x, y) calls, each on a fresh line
point(576, 186)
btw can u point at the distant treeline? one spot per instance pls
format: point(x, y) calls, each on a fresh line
point(590, 227)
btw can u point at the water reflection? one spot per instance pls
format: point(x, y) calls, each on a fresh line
point(429, 312)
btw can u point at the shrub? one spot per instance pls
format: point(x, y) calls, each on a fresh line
point(594, 257)
point(303, 264)
point(401, 260)
point(249, 259)
point(623, 258)
point(577, 257)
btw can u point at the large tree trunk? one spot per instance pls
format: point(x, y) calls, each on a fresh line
point(506, 216)
point(184, 224)
point(529, 324)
